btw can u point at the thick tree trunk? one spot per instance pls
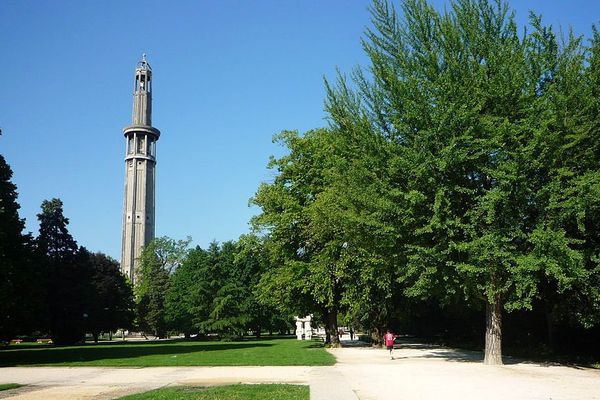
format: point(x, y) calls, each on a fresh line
point(332, 329)
point(377, 336)
point(550, 327)
point(493, 333)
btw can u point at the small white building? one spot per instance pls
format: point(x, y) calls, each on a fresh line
point(304, 329)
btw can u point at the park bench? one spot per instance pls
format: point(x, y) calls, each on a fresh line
point(16, 341)
point(44, 341)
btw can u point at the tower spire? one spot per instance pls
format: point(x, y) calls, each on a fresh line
point(140, 172)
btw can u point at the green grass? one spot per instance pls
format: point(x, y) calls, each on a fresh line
point(230, 392)
point(172, 353)
point(8, 386)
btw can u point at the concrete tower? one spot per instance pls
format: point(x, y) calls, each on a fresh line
point(140, 172)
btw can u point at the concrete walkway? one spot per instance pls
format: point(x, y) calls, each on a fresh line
point(431, 373)
point(418, 372)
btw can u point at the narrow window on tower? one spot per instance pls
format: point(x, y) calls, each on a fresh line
point(130, 145)
point(140, 145)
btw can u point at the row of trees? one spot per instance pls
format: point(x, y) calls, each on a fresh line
point(50, 285)
point(204, 292)
point(460, 166)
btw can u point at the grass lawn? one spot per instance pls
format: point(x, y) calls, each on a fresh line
point(7, 386)
point(230, 392)
point(171, 353)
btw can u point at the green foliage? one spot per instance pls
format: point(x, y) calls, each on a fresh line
point(51, 285)
point(111, 304)
point(67, 274)
point(213, 291)
point(459, 165)
point(17, 312)
point(189, 294)
point(159, 259)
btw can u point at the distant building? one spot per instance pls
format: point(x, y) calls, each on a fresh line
point(140, 173)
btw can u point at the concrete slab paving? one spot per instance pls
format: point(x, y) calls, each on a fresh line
point(328, 383)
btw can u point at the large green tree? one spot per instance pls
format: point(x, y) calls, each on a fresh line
point(159, 260)
point(459, 166)
point(479, 119)
point(17, 306)
point(321, 213)
point(213, 291)
point(67, 275)
point(189, 295)
point(111, 304)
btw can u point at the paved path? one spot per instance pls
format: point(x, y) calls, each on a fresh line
point(426, 373)
point(418, 372)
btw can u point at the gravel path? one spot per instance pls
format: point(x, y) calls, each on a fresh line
point(418, 372)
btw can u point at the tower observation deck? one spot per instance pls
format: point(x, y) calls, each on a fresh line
point(140, 173)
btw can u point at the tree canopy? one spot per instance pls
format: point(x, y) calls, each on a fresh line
point(453, 169)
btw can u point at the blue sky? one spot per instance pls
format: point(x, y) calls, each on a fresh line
point(227, 76)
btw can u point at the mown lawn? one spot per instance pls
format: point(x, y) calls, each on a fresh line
point(7, 386)
point(171, 353)
point(230, 392)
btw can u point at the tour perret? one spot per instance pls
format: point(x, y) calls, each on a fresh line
point(140, 173)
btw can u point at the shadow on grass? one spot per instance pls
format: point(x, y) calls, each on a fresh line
point(57, 355)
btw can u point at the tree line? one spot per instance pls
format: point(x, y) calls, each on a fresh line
point(205, 292)
point(459, 170)
point(51, 286)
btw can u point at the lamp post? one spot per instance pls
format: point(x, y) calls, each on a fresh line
point(85, 315)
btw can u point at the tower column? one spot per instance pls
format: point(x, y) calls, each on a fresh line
point(140, 173)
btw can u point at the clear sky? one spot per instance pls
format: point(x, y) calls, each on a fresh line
point(227, 76)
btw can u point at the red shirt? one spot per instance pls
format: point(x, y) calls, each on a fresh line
point(389, 339)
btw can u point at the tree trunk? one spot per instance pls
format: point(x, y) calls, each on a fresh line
point(110, 335)
point(332, 329)
point(493, 333)
point(95, 335)
point(377, 336)
point(550, 327)
point(187, 335)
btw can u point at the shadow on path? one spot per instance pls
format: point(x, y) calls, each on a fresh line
point(434, 351)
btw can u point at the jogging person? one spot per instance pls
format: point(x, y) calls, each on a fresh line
point(389, 342)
